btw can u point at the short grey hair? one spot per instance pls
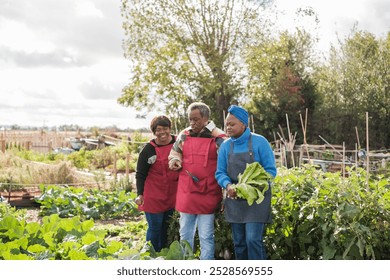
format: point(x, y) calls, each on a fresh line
point(203, 109)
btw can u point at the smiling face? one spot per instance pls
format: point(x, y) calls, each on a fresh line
point(197, 122)
point(163, 135)
point(234, 127)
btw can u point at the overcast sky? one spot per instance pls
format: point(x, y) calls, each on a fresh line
point(61, 62)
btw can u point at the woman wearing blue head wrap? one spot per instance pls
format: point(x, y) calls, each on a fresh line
point(240, 113)
point(243, 146)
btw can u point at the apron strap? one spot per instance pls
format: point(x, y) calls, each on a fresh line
point(250, 147)
point(206, 157)
point(156, 147)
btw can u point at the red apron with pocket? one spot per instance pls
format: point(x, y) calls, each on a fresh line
point(201, 194)
point(160, 184)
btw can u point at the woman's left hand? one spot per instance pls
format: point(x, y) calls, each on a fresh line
point(139, 200)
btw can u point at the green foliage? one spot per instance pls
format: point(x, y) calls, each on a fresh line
point(281, 81)
point(6, 210)
point(253, 183)
point(104, 158)
point(87, 203)
point(81, 159)
point(198, 55)
point(55, 238)
point(323, 216)
point(223, 52)
point(7, 181)
point(223, 238)
point(178, 250)
point(319, 215)
point(316, 215)
point(138, 141)
point(37, 156)
point(355, 80)
point(132, 233)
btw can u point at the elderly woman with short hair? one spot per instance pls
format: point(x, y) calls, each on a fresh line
point(156, 184)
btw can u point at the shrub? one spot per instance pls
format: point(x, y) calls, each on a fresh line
point(325, 216)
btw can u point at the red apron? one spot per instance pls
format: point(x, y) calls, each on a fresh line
point(199, 159)
point(160, 184)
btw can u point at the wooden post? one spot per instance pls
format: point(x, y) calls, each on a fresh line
point(288, 129)
point(127, 167)
point(300, 156)
point(357, 137)
point(281, 131)
point(9, 190)
point(306, 112)
point(304, 127)
point(2, 142)
point(285, 155)
point(115, 167)
point(330, 145)
point(343, 162)
point(356, 156)
point(27, 145)
point(290, 142)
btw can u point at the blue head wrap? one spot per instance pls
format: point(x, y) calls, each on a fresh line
point(240, 113)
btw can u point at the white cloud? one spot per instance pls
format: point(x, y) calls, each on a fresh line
point(338, 17)
point(88, 8)
point(21, 38)
point(61, 62)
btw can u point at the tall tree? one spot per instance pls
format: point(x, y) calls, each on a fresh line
point(356, 80)
point(280, 71)
point(184, 50)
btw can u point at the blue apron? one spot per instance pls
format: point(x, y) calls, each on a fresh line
point(238, 210)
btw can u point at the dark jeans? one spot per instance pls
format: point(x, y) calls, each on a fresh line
point(248, 241)
point(158, 228)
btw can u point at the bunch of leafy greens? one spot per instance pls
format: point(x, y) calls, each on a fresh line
point(253, 183)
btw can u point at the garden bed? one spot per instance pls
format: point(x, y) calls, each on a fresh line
point(22, 198)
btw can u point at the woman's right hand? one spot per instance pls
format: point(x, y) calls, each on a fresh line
point(174, 164)
point(139, 200)
point(231, 193)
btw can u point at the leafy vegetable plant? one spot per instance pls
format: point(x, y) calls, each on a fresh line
point(55, 239)
point(87, 203)
point(319, 215)
point(253, 183)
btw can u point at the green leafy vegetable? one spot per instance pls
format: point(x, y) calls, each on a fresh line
point(86, 203)
point(253, 183)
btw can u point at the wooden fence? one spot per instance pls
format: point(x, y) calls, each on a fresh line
point(332, 158)
point(329, 157)
point(40, 141)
